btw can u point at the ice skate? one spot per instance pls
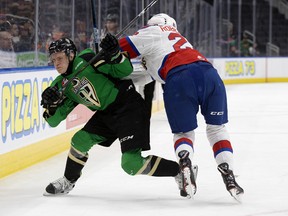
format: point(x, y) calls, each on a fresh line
point(229, 180)
point(59, 187)
point(186, 179)
point(179, 180)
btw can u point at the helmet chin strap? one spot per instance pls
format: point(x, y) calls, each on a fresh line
point(70, 56)
point(70, 65)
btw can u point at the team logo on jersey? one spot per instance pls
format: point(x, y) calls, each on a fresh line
point(64, 81)
point(86, 91)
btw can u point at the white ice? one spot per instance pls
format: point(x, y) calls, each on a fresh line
point(258, 117)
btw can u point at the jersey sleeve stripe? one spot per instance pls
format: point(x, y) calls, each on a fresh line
point(127, 45)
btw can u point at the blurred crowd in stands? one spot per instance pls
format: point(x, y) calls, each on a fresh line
point(21, 33)
point(16, 26)
point(247, 46)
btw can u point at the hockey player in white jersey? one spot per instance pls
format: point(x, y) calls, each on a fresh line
point(190, 82)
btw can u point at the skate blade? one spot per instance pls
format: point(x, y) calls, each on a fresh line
point(195, 171)
point(237, 196)
point(189, 187)
point(49, 194)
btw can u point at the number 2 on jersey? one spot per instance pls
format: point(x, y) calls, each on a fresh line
point(180, 42)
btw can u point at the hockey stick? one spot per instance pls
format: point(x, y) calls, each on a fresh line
point(98, 57)
point(96, 38)
point(136, 18)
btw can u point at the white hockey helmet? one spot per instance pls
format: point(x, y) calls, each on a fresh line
point(162, 19)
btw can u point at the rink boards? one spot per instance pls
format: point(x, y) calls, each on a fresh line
point(27, 139)
point(251, 70)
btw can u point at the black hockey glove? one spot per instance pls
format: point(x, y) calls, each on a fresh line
point(51, 98)
point(111, 49)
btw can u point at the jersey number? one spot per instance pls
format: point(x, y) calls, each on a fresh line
point(180, 42)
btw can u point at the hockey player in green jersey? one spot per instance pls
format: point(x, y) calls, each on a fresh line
point(119, 111)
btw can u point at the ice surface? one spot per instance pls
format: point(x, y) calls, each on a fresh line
point(258, 116)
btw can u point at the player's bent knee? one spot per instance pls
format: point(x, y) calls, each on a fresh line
point(216, 133)
point(132, 161)
point(188, 135)
point(82, 141)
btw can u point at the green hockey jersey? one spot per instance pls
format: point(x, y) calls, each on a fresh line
point(94, 88)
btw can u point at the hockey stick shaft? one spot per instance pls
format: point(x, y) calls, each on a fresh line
point(95, 30)
point(119, 34)
point(97, 57)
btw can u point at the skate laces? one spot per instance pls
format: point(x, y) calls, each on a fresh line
point(62, 184)
point(227, 175)
point(229, 180)
point(185, 179)
point(184, 159)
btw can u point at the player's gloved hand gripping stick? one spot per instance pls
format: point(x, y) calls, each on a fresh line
point(51, 98)
point(98, 58)
point(111, 49)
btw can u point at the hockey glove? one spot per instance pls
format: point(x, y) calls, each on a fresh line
point(51, 98)
point(111, 49)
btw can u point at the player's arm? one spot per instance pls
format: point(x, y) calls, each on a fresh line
point(127, 45)
point(112, 62)
point(118, 63)
point(141, 43)
point(56, 109)
point(118, 70)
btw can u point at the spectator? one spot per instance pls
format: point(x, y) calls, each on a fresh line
point(253, 50)
point(14, 8)
point(233, 51)
point(55, 35)
point(7, 55)
point(26, 34)
point(244, 46)
point(26, 9)
point(248, 47)
point(6, 37)
point(111, 25)
point(81, 40)
point(15, 37)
